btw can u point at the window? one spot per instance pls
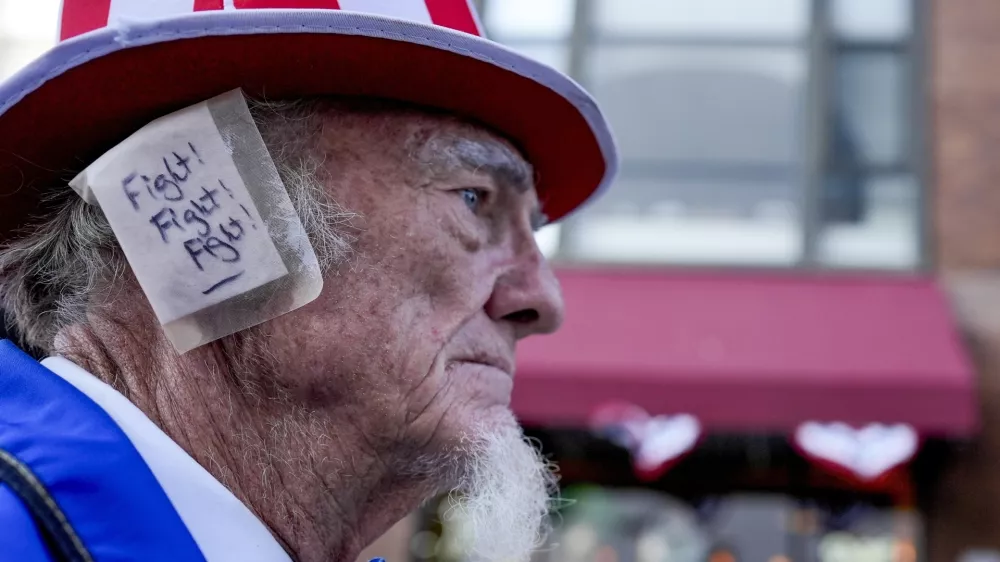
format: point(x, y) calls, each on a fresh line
point(739, 497)
point(870, 206)
point(651, 525)
point(642, 525)
point(752, 132)
point(541, 30)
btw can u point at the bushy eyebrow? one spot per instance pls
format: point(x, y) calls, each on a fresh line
point(508, 170)
point(449, 153)
point(490, 157)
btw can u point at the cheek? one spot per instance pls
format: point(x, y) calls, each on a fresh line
point(377, 331)
point(433, 263)
point(332, 359)
point(435, 291)
point(464, 228)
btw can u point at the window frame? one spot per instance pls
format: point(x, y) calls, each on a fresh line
point(822, 46)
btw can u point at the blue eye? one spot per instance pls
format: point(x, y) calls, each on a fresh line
point(472, 198)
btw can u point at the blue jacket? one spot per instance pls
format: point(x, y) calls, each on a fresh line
point(72, 486)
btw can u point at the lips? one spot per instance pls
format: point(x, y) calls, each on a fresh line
point(495, 361)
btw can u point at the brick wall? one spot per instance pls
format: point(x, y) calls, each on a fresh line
point(965, 210)
point(965, 60)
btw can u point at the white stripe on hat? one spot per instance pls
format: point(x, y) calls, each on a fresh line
point(415, 10)
point(480, 30)
point(147, 9)
point(228, 4)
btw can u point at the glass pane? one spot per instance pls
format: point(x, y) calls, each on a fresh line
point(870, 222)
point(711, 140)
point(861, 533)
point(871, 108)
point(699, 104)
point(691, 221)
point(549, 19)
point(768, 19)
point(753, 527)
point(880, 20)
point(643, 525)
point(627, 525)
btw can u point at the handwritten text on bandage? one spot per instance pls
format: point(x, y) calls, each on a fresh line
point(188, 206)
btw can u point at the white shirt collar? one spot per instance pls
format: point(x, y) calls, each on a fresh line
point(224, 528)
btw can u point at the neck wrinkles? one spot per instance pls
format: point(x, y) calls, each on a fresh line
point(317, 479)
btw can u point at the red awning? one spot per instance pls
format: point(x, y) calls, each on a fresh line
point(751, 352)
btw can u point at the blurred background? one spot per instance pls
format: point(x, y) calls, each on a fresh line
point(805, 233)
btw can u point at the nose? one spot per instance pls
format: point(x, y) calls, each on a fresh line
point(527, 296)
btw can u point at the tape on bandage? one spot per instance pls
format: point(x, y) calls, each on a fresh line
point(204, 220)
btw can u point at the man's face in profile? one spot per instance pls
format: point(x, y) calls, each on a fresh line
point(414, 335)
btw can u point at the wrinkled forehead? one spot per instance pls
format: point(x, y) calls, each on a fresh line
point(437, 143)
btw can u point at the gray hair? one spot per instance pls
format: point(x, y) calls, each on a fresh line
point(47, 276)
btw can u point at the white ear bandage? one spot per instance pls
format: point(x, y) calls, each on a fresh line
point(197, 206)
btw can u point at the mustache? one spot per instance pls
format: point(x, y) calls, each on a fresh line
point(484, 349)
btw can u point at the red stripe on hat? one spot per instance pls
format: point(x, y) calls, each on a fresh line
point(81, 16)
point(206, 5)
point(288, 4)
point(456, 14)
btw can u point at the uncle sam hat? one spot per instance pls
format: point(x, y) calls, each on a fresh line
point(123, 63)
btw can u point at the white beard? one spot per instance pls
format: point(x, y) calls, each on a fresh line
point(500, 510)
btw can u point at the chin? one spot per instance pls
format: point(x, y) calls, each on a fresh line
point(458, 437)
point(479, 402)
point(477, 423)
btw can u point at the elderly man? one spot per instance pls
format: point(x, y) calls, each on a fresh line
point(246, 417)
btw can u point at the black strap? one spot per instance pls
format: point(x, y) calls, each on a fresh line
point(63, 542)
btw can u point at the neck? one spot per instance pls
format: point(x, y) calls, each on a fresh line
point(324, 495)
